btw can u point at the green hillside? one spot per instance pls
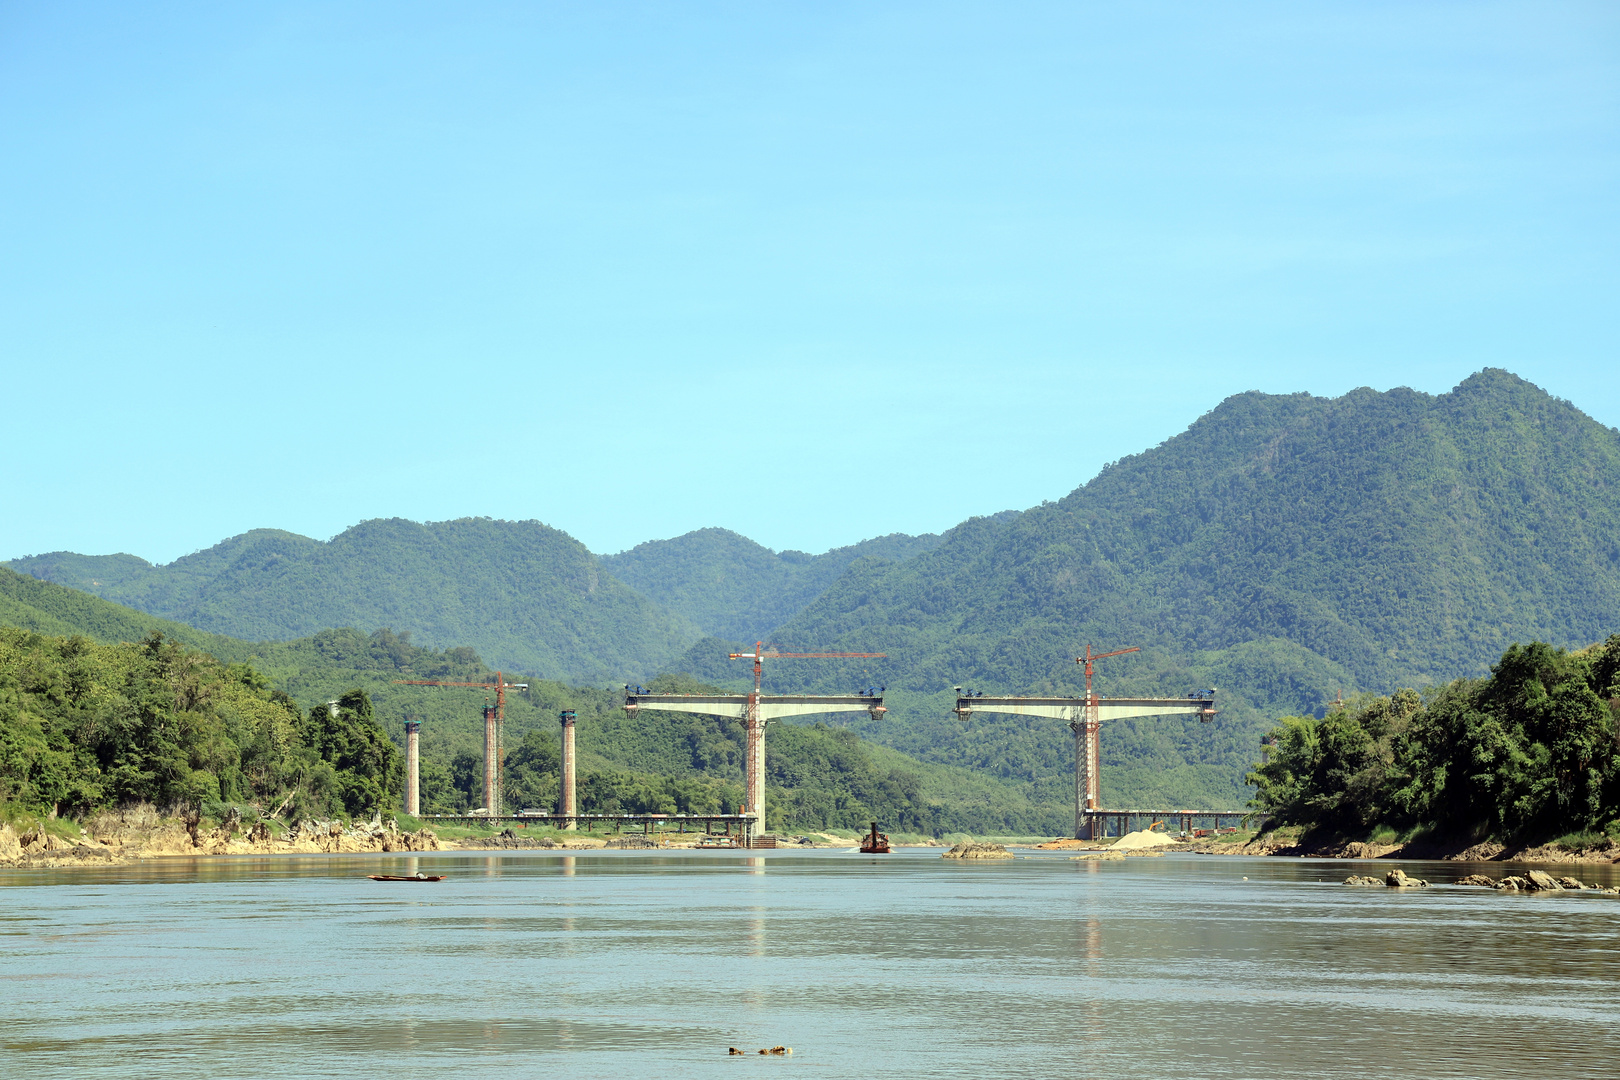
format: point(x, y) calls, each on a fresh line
point(231, 739)
point(1283, 548)
point(733, 588)
point(525, 595)
point(45, 608)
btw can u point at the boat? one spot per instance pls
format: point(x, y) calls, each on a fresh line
point(406, 877)
point(875, 843)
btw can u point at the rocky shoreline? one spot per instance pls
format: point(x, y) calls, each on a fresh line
point(1426, 850)
point(126, 836)
point(131, 835)
point(1533, 881)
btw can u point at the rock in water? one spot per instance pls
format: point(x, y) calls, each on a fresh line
point(1570, 883)
point(1512, 883)
point(1091, 856)
point(1541, 881)
point(1397, 879)
point(1358, 879)
point(1477, 879)
point(978, 851)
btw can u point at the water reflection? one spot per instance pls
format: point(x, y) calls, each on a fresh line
point(624, 963)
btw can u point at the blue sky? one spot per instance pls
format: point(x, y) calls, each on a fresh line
point(810, 271)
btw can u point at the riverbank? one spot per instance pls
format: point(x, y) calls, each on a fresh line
point(139, 832)
point(136, 833)
point(1291, 843)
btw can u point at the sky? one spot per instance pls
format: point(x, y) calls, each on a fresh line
point(812, 271)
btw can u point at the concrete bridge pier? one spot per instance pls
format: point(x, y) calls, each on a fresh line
point(567, 806)
point(413, 767)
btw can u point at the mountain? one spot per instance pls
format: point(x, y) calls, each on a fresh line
point(735, 589)
point(1283, 548)
point(525, 595)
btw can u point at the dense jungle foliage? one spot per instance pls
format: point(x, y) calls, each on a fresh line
point(1529, 752)
point(86, 725)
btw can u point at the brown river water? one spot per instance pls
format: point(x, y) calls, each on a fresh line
point(637, 964)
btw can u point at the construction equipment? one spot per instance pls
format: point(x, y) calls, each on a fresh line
point(755, 709)
point(494, 718)
point(1085, 716)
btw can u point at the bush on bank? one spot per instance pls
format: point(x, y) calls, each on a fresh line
point(1527, 753)
point(86, 726)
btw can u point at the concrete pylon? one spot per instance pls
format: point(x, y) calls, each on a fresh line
point(754, 772)
point(567, 806)
point(492, 794)
point(413, 767)
point(1087, 747)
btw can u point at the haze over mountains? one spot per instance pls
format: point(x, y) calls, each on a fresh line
point(1284, 548)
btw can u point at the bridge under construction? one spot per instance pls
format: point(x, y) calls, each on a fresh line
point(756, 709)
point(1085, 716)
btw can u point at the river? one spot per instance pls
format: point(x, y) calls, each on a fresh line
point(646, 964)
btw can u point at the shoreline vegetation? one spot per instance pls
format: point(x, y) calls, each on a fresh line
point(1521, 764)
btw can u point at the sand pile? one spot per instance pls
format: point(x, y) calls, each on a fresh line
point(1145, 838)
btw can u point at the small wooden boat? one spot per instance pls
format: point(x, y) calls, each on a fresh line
point(875, 843)
point(407, 877)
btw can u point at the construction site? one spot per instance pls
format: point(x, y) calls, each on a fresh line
point(755, 710)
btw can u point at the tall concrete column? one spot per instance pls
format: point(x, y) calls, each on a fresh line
point(491, 763)
point(567, 806)
point(754, 772)
point(1093, 763)
point(413, 767)
point(1078, 727)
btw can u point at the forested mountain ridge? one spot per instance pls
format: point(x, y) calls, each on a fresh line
point(1405, 538)
point(736, 589)
point(528, 596)
point(1283, 548)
